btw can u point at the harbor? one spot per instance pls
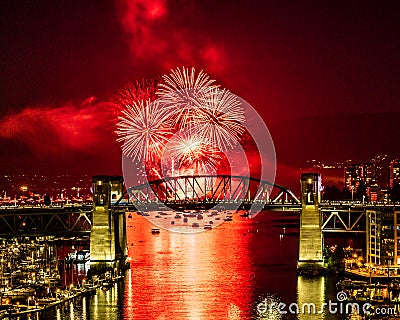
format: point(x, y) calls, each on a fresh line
point(40, 275)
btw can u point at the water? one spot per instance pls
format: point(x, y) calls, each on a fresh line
point(221, 274)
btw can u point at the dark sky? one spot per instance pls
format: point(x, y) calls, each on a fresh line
point(62, 60)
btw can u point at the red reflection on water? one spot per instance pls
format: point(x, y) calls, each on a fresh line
point(188, 276)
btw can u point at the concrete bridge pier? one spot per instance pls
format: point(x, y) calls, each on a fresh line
point(311, 240)
point(108, 232)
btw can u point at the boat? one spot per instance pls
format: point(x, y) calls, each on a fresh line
point(217, 218)
point(211, 222)
point(155, 231)
point(347, 284)
point(190, 215)
point(106, 284)
point(89, 291)
point(177, 216)
point(228, 218)
point(45, 301)
point(207, 227)
point(82, 256)
point(199, 217)
point(195, 225)
point(18, 293)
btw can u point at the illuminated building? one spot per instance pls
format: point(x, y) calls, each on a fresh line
point(381, 169)
point(369, 174)
point(374, 193)
point(353, 175)
point(394, 173)
point(383, 237)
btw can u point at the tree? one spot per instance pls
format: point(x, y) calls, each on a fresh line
point(332, 193)
point(47, 200)
point(395, 193)
point(361, 191)
point(346, 194)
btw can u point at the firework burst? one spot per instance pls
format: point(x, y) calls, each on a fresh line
point(181, 88)
point(180, 80)
point(136, 91)
point(131, 93)
point(190, 150)
point(220, 118)
point(141, 128)
point(202, 120)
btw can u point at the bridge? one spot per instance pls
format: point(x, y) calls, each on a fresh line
point(73, 220)
point(105, 221)
point(193, 192)
point(205, 191)
point(76, 220)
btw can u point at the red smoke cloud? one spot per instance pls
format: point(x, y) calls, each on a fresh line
point(158, 35)
point(54, 130)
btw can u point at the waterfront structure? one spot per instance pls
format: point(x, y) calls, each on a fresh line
point(383, 237)
point(108, 231)
point(311, 240)
point(394, 173)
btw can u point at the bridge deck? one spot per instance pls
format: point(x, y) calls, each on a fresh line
point(77, 219)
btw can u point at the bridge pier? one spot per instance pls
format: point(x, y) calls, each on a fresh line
point(311, 240)
point(108, 231)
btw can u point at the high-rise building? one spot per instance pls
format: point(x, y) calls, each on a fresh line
point(394, 173)
point(369, 174)
point(381, 163)
point(353, 175)
point(383, 237)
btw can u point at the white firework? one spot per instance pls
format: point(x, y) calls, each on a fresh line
point(182, 89)
point(142, 129)
point(220, 118)
point(179, 80)
point(191, 150)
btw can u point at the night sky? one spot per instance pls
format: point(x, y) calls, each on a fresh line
point(324, 75)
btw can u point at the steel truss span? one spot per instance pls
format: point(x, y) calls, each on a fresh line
point(211, 190)
point(40, 221)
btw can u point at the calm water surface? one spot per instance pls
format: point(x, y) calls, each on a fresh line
point(220, 274)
